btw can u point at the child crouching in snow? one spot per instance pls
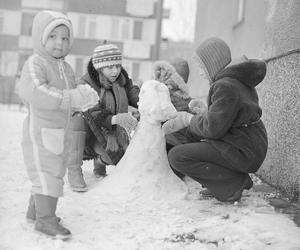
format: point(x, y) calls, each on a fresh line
point(53, 140)
point(175, 75)
point(109, 121)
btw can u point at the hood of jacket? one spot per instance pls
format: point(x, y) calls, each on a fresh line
point(43, 23)
point(250, 72)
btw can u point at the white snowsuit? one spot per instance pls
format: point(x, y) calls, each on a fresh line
point(52, 139)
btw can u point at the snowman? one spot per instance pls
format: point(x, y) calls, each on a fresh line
point(144, 173)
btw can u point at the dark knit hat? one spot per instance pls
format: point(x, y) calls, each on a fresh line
point(215, 55)
point(182, 68)
point(106, 55)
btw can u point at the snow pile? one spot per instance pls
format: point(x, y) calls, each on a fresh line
point(99, 223)
point(144, 173)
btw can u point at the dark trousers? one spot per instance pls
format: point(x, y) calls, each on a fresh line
point(204, 164)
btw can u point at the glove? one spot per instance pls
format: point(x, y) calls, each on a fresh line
point(181, 121)
point(161, 74)
point(83, 97)
point(125, 120)
point(112, 144)
point(196, 106)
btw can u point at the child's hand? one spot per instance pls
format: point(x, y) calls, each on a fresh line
point(161, 74)
point(196, 106)
point(181, 121)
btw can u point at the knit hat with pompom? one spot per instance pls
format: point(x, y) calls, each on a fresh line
point(106, 55)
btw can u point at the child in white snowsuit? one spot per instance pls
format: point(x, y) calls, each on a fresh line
point(53, 140)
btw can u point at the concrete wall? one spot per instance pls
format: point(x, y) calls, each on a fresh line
point(280, 97)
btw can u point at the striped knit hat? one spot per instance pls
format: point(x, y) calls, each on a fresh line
point(215, 55)
point(106, 55)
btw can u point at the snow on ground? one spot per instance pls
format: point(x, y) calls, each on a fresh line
point(97, 224)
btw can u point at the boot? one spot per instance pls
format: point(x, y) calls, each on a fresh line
point(31, 213)
point(247, 184)
point(46, 220)
point(76, 180)
point(99, 168)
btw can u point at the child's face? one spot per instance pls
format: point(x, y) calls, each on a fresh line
point(57, 44)
point(111, 72)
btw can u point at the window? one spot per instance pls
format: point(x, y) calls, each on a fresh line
point(115, 28)
point(137, 30)
point(92, 24)
point(9, 63)
point(27, 19)
point(81, 26)
point(135, 71)
point(121, 29)
point(87, 26)
point(1, 21)
point(125, 29)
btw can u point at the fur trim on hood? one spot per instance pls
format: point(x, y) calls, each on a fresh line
point(250, 72)
point(174, 79)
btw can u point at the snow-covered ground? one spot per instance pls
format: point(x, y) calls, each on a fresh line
point(97, 224)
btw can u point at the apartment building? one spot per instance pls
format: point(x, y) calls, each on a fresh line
point(133, 25)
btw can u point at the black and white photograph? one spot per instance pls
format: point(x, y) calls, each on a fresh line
point(149, 125)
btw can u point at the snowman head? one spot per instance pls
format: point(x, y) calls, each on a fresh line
point(155, 102)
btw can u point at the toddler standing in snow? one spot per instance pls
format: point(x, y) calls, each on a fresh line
point(53, 140)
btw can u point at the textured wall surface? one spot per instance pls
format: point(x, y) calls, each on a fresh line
point(280, 96)
point(280, 101)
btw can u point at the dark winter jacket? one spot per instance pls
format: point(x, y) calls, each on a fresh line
point(114, 98)
point(232, 124)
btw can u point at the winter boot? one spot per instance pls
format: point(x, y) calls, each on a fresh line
point(46, 220)
point(76, 180)
point(99, 168)
point(31, 213)
point(247, 184)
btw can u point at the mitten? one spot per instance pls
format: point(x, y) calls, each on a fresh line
point(83, 97)
point(181, 121)
point(161, 74)
point(196, 106)
point(112, 144)
point(125, 120)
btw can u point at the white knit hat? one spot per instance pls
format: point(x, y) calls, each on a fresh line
point(106, 55)
point(60, 19)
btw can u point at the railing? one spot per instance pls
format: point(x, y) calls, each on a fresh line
point(282, 55)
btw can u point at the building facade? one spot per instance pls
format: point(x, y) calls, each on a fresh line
point(133, 25)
